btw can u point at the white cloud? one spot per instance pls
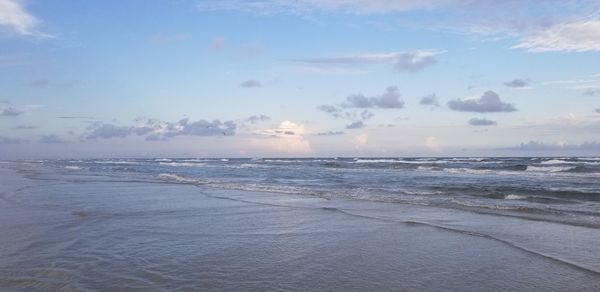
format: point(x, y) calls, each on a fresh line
point(311, 6)
point(540, 25)
point(401, 61)
point(16, 19)
point(360, 140)
point(580, 36)
point(287, 138)
point(387, 100)
point(432, 144)
point(489, 102)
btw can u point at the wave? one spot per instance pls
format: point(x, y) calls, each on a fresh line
point(560, 161)
point(115, 162)
point(550, 168)
point(169, 177)
point(182, 164)
point(469, 171)
point(196, 160)
point(589, 158)
point(515, 197)
point(72, 167)
point(377, 161)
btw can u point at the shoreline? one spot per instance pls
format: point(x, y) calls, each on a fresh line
point(256, 241)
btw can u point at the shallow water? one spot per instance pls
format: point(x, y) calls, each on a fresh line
point(296, 225)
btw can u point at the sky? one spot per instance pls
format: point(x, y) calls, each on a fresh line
point(299, 78)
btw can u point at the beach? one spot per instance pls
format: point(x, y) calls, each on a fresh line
point(77, 233)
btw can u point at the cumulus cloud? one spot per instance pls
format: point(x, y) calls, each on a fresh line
point(256, 119)
point(389, 99)
point(481, 122)
point(355, 125)
point(50, 139)
point(517, 83)
point(107, 131)
point(16, 19)
point(288, 137)
point(400, 61)
point(430, 100)
point(11, 112)
point(250, 83)
point(489, 102)
point(581, 36)
point(345, 110)
point(206, 128)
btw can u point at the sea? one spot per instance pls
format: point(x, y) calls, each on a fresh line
point(542, 211)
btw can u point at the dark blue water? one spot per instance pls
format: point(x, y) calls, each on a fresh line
point(565, 190)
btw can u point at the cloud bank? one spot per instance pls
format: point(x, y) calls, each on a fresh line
point(400, 61)
point(161, 131)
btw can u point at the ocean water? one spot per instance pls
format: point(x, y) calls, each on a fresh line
point(565, 190)
point(301, 224)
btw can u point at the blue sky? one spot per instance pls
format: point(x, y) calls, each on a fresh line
point(263, 78)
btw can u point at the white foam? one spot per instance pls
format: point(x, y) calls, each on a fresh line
point(549, 168)
point(176, 178)
point(182, 164)
point(514, 197)
point(115, 162)
point(589, 158)
point(468, 171)
point(560, 161)
point(72, 167)
point(555, 161)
